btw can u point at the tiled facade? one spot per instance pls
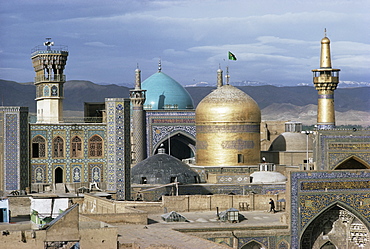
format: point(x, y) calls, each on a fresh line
point(312, 193)
point(76, 169)
point(118, 147)
point(334, 147)
point(161, 124)
point(14, 148)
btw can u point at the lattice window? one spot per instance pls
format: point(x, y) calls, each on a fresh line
point(58, 147)
point(76, 147)
point(95, 146)
point(38, 147)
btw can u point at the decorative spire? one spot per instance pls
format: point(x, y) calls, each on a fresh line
point(219, 77)
point(325, 60)
point(159, 65)
point(325, 32)
point(137, 78)
point(227, 75)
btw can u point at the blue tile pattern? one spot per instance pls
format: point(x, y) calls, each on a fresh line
point(343, 188)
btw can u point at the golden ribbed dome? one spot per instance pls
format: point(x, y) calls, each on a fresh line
point(227, 129)
point(228, 104)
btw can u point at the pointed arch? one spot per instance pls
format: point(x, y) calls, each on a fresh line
point(38, 147)
point(58, 175)
point(253, 245)
point(96, 146)
point(58, 147)
point(283, 244)
point(76, 147)
point(352, 162)
point(181, 145)
point(319, 224)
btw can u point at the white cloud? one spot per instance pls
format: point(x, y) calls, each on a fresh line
point(98, 44)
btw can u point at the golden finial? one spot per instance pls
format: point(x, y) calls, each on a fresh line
point(227, 75)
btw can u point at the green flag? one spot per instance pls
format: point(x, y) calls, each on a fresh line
point(232, 56)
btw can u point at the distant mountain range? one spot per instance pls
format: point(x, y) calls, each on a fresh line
point(298, 103)
point(342, 84)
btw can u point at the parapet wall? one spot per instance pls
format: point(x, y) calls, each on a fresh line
point(190, 203)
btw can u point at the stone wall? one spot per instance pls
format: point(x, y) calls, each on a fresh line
point(190, 203)
point(19, 205)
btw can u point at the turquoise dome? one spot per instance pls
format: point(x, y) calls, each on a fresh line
point(163, 92)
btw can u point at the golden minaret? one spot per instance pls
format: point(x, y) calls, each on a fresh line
point(325, 80)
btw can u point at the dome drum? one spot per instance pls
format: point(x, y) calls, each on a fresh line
point(227, 145)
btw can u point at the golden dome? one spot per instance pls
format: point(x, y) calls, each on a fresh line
point(325, 40)
point(227, 129)
point(228, 104)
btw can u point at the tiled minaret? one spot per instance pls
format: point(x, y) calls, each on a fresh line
point(137, 97)
point(325, 80)
point(49, 66)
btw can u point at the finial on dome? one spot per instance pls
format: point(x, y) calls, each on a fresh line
point(159, 65)
point(227, 76)
point(219, 77)
point(325, 32)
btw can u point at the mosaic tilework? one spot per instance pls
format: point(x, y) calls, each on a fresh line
point(77, 173)
point(11, 155)
point(67, 132)
point(119, 149)
point(331, 153)
point(261, 240)
point(341, 189)
point(95, 172)
point(162, 123)
point(39, 175)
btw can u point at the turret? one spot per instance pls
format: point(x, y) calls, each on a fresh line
point(49, 67)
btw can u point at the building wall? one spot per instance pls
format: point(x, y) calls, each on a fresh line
point(118, 147)
point(162, 123)
point(191, 203)
point(75, 170)
point(14, 162)
point(312, 192)
point(333, 147)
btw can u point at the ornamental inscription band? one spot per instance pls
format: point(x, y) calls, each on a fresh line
point(335, 185)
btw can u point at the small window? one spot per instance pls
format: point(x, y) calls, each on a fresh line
point(240, 158)
point(95, 146)
point(38, 147)
point(58, 147)
point(76, 147)
point(143, 180)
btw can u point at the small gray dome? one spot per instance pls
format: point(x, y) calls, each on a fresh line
point(291, 141)
point(162, 169)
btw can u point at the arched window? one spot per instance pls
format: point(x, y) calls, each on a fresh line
point(95, 146)
point(38, 147)
point(76, 147)
point(58, 147)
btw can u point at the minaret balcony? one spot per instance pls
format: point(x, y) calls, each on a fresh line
point(50, 78)
point(325, 79)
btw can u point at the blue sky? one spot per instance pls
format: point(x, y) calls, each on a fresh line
point(275, 41)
